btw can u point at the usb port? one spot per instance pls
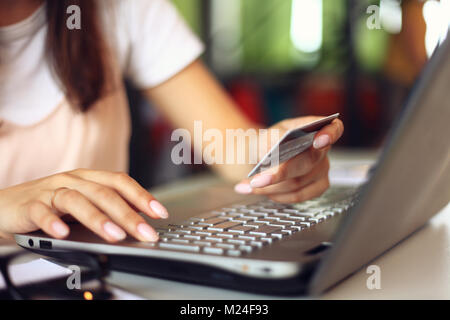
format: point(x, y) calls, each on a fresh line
point(45, 244)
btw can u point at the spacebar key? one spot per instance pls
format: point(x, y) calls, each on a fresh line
point(265, 230)
point(179, 246)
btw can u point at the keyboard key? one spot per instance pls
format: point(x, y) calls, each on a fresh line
point(291, 221)
point(259, 214)
point(172, 235)
point(225, 245)
point(247, 237)
point(217, 238)
point(261, 221)
point(179, 246)
point(213, 221)
point(197, 227)
point(184, 231)
point(270, 217)
point(246, 248)
point(278, 235)
point(269, 210)
point(265, 230)
point(241, 229)
point(280, 224)
point(244, 219)
point(213, 250)
point(303, 224)
point(225, 226)
point(234, 215)
point(297, 218)
point(281, 214)
point(298, 212)
point(204, 243)
point(179, 240)
point(205, 232)
point(225, 235)
point(258, 244)
point(245, 210)
point(269, 240)
point(206, 216)
point(290, 230)
point(237, 241)
point(316, 219)
point(193, 237)
point(234, 253)
point(254, 224)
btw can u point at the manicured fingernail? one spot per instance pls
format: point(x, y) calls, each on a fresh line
point(147, 232)
point(261, 181)
point(321, 142)
point(159, 209)
point(243, 188)
point(60, 228)
point(114, 231)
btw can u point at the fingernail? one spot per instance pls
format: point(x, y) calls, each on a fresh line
point(147, 232)
point(243, 188)
point(261, 181)
point(114, 231)
point(159, 209)
point(321, 142)
point(60, 228)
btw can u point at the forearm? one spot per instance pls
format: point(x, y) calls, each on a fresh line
point(200, 101)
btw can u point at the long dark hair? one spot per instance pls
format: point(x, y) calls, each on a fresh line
point(76, 56)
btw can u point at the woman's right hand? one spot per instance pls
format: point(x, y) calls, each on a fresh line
point(105, 202)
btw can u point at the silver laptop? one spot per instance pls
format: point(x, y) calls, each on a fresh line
point(262, 246)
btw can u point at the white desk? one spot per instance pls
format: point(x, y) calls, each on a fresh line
point(417, 268)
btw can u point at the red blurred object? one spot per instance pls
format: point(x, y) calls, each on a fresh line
point(249, 98)
point(369, 100)
point(321, 96)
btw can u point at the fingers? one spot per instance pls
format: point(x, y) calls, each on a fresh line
point(296, 189)
point(111, 203)
point(44, 218)
point(312, 190)
point(76, 204)
point(295, 167)
point(329, 134)
point(128, 189)
point(293, 184)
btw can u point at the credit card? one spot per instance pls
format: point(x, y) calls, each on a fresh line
point(293, 142)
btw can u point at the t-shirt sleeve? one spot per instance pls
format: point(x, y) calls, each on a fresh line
point(160, 43)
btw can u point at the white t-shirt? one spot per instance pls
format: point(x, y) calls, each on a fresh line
point(151, 42)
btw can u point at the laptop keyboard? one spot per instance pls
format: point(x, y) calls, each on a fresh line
point(241, 229)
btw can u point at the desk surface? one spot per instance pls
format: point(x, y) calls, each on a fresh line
point(417, 268)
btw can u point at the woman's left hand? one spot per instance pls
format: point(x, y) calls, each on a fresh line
point(302, 177)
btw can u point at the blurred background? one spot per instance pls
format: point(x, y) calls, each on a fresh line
point(287, 58)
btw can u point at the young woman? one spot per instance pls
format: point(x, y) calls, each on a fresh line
point(63, 108)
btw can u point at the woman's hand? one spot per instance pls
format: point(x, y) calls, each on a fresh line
point(105, 202)
point(302, 177)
